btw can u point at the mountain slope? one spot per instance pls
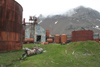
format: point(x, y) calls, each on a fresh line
point(77, 19)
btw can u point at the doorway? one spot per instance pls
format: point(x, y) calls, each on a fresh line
point(38, 38)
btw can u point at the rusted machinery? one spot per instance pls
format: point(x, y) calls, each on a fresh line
point(57, 38)
point(10, 25)
point(82, 35)
point(63, 38)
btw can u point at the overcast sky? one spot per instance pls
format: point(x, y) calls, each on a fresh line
point(52, 7)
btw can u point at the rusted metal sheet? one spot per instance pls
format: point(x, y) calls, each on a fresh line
point(10, 25)
point(2, 2)
point(18, 45)
point(16, 36)
point(9, 45)
point(82, 35)
point(2, 45)
point(4, 36)
point(0, 36)
point(9, 36)
point(10, 4)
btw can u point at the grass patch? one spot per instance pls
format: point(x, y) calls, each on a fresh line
point(79, 54)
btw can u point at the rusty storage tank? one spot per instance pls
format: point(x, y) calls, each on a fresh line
point(49, 40)
point(82, 35)
point(57, 38)
point(10, 25)
point(63, 38)
point(47, 33)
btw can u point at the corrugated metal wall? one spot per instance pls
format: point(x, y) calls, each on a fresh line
point(82, 35)
point(40, 31)
point(10, 25)
point(29, 32)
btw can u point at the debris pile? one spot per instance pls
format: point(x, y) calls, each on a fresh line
point(29, 52)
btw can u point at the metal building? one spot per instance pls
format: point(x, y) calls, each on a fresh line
point(39, 35)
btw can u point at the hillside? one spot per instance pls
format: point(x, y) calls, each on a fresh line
point(76, 54)
point(75, 19)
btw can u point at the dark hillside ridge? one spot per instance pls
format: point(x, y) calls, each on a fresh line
point(77, 19)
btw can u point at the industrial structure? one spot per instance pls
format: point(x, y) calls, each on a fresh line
point(40, 34)
point(10, 25)
point(35, 31)
point(82, 35)
point(13, 31)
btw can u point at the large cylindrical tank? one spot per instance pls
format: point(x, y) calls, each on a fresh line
point(49, 40)
point(63, 38)
point(57, 38)
point(82, 35)
point(10, 25)
point(47, 33)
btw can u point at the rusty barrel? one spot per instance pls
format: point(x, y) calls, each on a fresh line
point(10, 25)
point(57, 38)
point(47, 33)
point(63, 38)
point(97, 40)
point(26, 41)
point(31, 40)
point(49, 40)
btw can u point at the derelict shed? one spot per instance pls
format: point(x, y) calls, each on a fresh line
point(39, 34)
point(10, 25)
point(82, 35)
